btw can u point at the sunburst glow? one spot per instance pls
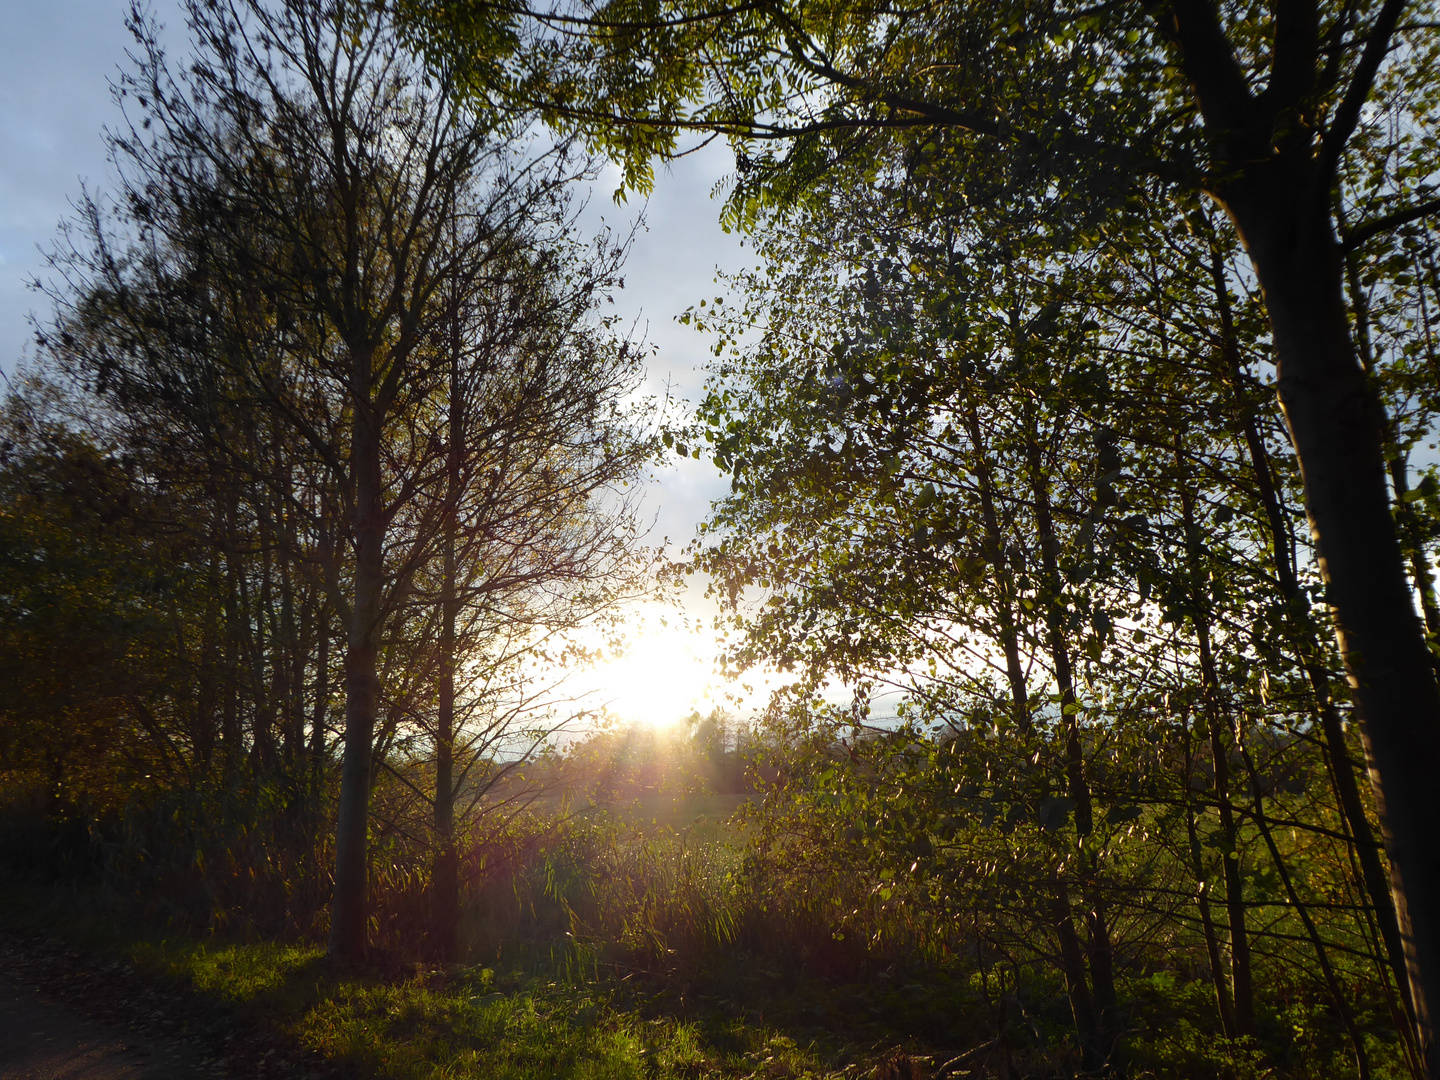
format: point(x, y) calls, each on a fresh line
point(664, 672)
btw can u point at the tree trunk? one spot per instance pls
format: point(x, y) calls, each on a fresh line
point(994, 551)
point(349, 908)
point(1337, 992)
point(1223, 1004)
point(444, 878)
point(206, 721)
point(230, 743)
point(1408, 527)
point(1337, 428)
point(444, 884)
point(319, 718)
point(1072, 954)
point(1241, 977)
point(1072, 964)
point(1101, 950)
point(265, 652)
point(1347, 792)
point(1078, 786)
point(1414, 545)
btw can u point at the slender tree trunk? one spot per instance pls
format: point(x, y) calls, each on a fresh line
point(1407, 526)
point(1223, 1004)
point(319, 718)
point(1224, 1000)
point(1078, 786)
point(230, 742)
point(301, 644)
point(994, 550)
point(1072, 953)
point(1100, 950)
point(445, 872)
point(444, 884)
point(1241, 976)
point(349, 911)
point(1342, 1006)
point(1347, 792)
point(1072, 965)
point(289, 653)
point(1413, 544)
point(206, 726)
point(1276, 178)
point(263, 656)
point(1094, 1049)
point(1337, 428)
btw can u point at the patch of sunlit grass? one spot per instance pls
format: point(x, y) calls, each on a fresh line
point(523, 1028)
point(526, 1023)
point(281, 976)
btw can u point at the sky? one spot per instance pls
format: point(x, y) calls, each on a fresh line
point(57, 60)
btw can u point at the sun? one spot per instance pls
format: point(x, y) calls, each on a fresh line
point(664, 672)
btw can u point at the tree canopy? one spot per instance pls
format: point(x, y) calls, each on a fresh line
point(1050, 138)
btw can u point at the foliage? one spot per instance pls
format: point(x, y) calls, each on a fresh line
point(1043, 498)
point(1065, 147)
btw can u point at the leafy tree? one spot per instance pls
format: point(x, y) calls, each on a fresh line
point(967, 473)
point(99, 686)
point(1058, 119)
point(534, 541)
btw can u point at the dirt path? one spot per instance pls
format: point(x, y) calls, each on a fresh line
point(44, 1039)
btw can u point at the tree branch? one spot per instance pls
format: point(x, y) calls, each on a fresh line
point(1297, 46)
point(1347, 115)
point(1361, 233)
point(1209, 62)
